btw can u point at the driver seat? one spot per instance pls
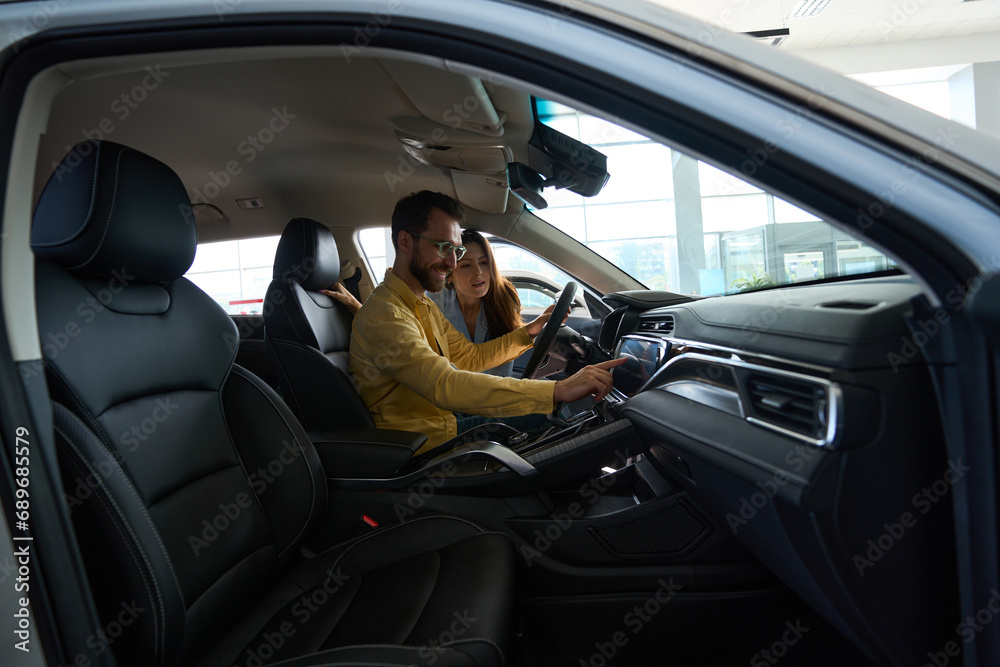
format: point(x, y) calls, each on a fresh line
point(308, 336)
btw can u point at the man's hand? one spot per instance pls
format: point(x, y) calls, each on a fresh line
point(534, 327)
point(588, 381)
point(340, 293)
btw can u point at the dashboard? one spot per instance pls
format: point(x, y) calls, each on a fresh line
point(794, 431)
point(804, 421)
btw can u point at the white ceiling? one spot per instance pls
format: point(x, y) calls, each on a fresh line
point(850, 23)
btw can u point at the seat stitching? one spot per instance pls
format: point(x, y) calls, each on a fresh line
point(430, 594)
point(305, 458)
point(284, 307)
point(149, 520)
point(90, 210)
point(358, 403)
point(111, 212)
point(469, 640)
point(128, 545)
point(142, 508)
point(81, 463)
point(390, 528)
point(356, 646)
point(88, 418)
point(236, 450)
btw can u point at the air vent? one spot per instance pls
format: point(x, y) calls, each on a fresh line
point(661, 325)
point(849, 305)
point(794, 405)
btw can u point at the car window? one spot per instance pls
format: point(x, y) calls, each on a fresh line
point(235, 273)
point(376, 244)
point(534, 297)
point(676, 223)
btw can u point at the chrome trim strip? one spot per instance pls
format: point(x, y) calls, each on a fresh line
point(735, 352)
point(835, 395)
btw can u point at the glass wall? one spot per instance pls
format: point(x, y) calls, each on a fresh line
point(680, 225)
point(235, 273)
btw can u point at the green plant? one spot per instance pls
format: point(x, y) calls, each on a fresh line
point(754, 282)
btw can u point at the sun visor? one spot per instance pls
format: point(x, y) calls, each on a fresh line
point(485, 192)
point(452, 100)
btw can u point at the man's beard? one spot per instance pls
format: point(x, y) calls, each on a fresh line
point(427, 277)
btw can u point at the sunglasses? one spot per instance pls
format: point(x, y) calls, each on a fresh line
point(445, 248)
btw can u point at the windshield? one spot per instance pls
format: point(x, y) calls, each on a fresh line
point(675, 223)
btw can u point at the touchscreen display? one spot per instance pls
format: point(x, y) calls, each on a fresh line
point(644, 356)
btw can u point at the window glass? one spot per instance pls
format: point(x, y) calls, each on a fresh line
point(512, 260)
point(377, 247)
point(533, 298)
point(678, 224)
point(235, 273)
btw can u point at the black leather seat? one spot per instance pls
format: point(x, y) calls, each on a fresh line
point(308, 334)
point(192, 486)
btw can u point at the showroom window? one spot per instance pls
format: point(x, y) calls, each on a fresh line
point(678, 224)
point(235, 273)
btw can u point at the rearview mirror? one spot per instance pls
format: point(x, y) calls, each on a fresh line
point(526, 184)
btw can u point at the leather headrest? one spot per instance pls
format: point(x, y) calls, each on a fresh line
point(307, 254)
point(107, 208)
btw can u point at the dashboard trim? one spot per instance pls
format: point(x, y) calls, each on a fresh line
point(834, 393)
point(737, 353)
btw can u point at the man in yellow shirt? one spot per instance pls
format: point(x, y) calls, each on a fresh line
point(413, 368)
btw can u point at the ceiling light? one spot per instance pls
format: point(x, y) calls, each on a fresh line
point(808, 8)
point(775, 36)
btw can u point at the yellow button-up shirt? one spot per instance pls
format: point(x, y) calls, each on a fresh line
point(413, 368)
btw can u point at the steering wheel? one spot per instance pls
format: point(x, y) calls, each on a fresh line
point(546, 339)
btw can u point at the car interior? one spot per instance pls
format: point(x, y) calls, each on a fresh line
point(766, 480)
